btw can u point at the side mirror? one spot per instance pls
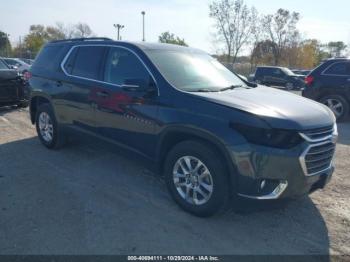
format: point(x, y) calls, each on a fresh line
point(138, 85)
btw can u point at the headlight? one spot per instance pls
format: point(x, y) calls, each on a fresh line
point(278, 138)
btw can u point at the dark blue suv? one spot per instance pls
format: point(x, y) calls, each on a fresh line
point(212, 135)
point(329, 84)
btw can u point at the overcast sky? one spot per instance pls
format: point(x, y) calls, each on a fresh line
point(324, 20)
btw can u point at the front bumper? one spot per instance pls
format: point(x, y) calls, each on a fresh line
point(270, 173)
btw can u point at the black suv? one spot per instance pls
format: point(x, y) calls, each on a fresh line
point(329, 84)
point(211, 135)
point(13, 88)
point(278, 76)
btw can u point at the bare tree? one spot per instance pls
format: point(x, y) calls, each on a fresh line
point(281, 29)
point(235, 23)
point(82, 30)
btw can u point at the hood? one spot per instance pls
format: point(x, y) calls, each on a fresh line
point(281, 109)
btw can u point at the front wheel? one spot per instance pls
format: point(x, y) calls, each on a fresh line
point(338, 105)
point(47, 128)
point(196, 178)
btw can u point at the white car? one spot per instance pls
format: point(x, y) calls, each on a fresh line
point(17, 64)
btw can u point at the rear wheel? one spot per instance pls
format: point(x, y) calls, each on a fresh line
point(289, 86)
point(338, 105)
point(47, 128)
point(196, 178)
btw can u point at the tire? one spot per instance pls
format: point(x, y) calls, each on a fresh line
point(289, 86)
point(56, 139)
point(338, 105)
point(217, 179)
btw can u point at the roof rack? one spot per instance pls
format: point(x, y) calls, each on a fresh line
point(82, 39)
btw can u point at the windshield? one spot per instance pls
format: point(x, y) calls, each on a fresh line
point(288, 71)
point(193, 72)
point(3, 66)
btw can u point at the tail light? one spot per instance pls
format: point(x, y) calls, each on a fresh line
point(27, 75)
point(309, 80)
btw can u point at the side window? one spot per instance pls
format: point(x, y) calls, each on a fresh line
point(48, 58)
point(88, 62)
point(338, 69)
point(122, 65)
point(277, 72)
point(69, 64)
point(3, 66)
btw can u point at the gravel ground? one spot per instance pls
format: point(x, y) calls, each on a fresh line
point(86, 199)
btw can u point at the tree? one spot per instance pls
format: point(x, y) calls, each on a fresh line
point(263, 53)
point(281, 29)
point(5, 45)
point(82, 30)
point(170, 38)
point(54, 33)
point(235, 24)
point(39, 35)
point(336, 49)
point(36, 38)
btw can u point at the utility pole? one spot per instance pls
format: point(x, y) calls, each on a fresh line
point(143, 25)
point(119, 27)
point(20, 47)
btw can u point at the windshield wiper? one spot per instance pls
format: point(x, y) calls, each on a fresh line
point(205, 90)
point(231, 87)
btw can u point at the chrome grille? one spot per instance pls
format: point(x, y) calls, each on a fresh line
point(318, 156)
point(318, 134)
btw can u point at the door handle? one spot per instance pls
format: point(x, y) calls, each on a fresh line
point(102, 94)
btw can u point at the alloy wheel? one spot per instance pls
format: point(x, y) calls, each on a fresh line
point(45, 127)
point(335, 105)
point(193, 180)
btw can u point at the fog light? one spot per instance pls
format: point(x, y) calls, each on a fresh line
point(263, 184)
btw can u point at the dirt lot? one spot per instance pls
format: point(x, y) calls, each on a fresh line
point(86, 199)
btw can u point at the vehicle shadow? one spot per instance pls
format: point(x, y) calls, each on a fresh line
point(86, 199)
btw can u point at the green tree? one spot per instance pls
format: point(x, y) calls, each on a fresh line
point(36, 38)
point(5, 45)
point(170, 38)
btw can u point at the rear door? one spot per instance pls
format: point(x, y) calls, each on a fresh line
point(126, 103)
point(83, 66)
point(277, 77)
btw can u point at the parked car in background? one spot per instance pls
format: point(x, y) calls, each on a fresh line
point(13, 89)
point(27, 61)
point(301, 72)
point(277, 76)
point(243, 77)
point(210, 134)
point(330, 84)
point(17, 64)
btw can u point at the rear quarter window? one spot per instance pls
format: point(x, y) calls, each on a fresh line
point(49, 58)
